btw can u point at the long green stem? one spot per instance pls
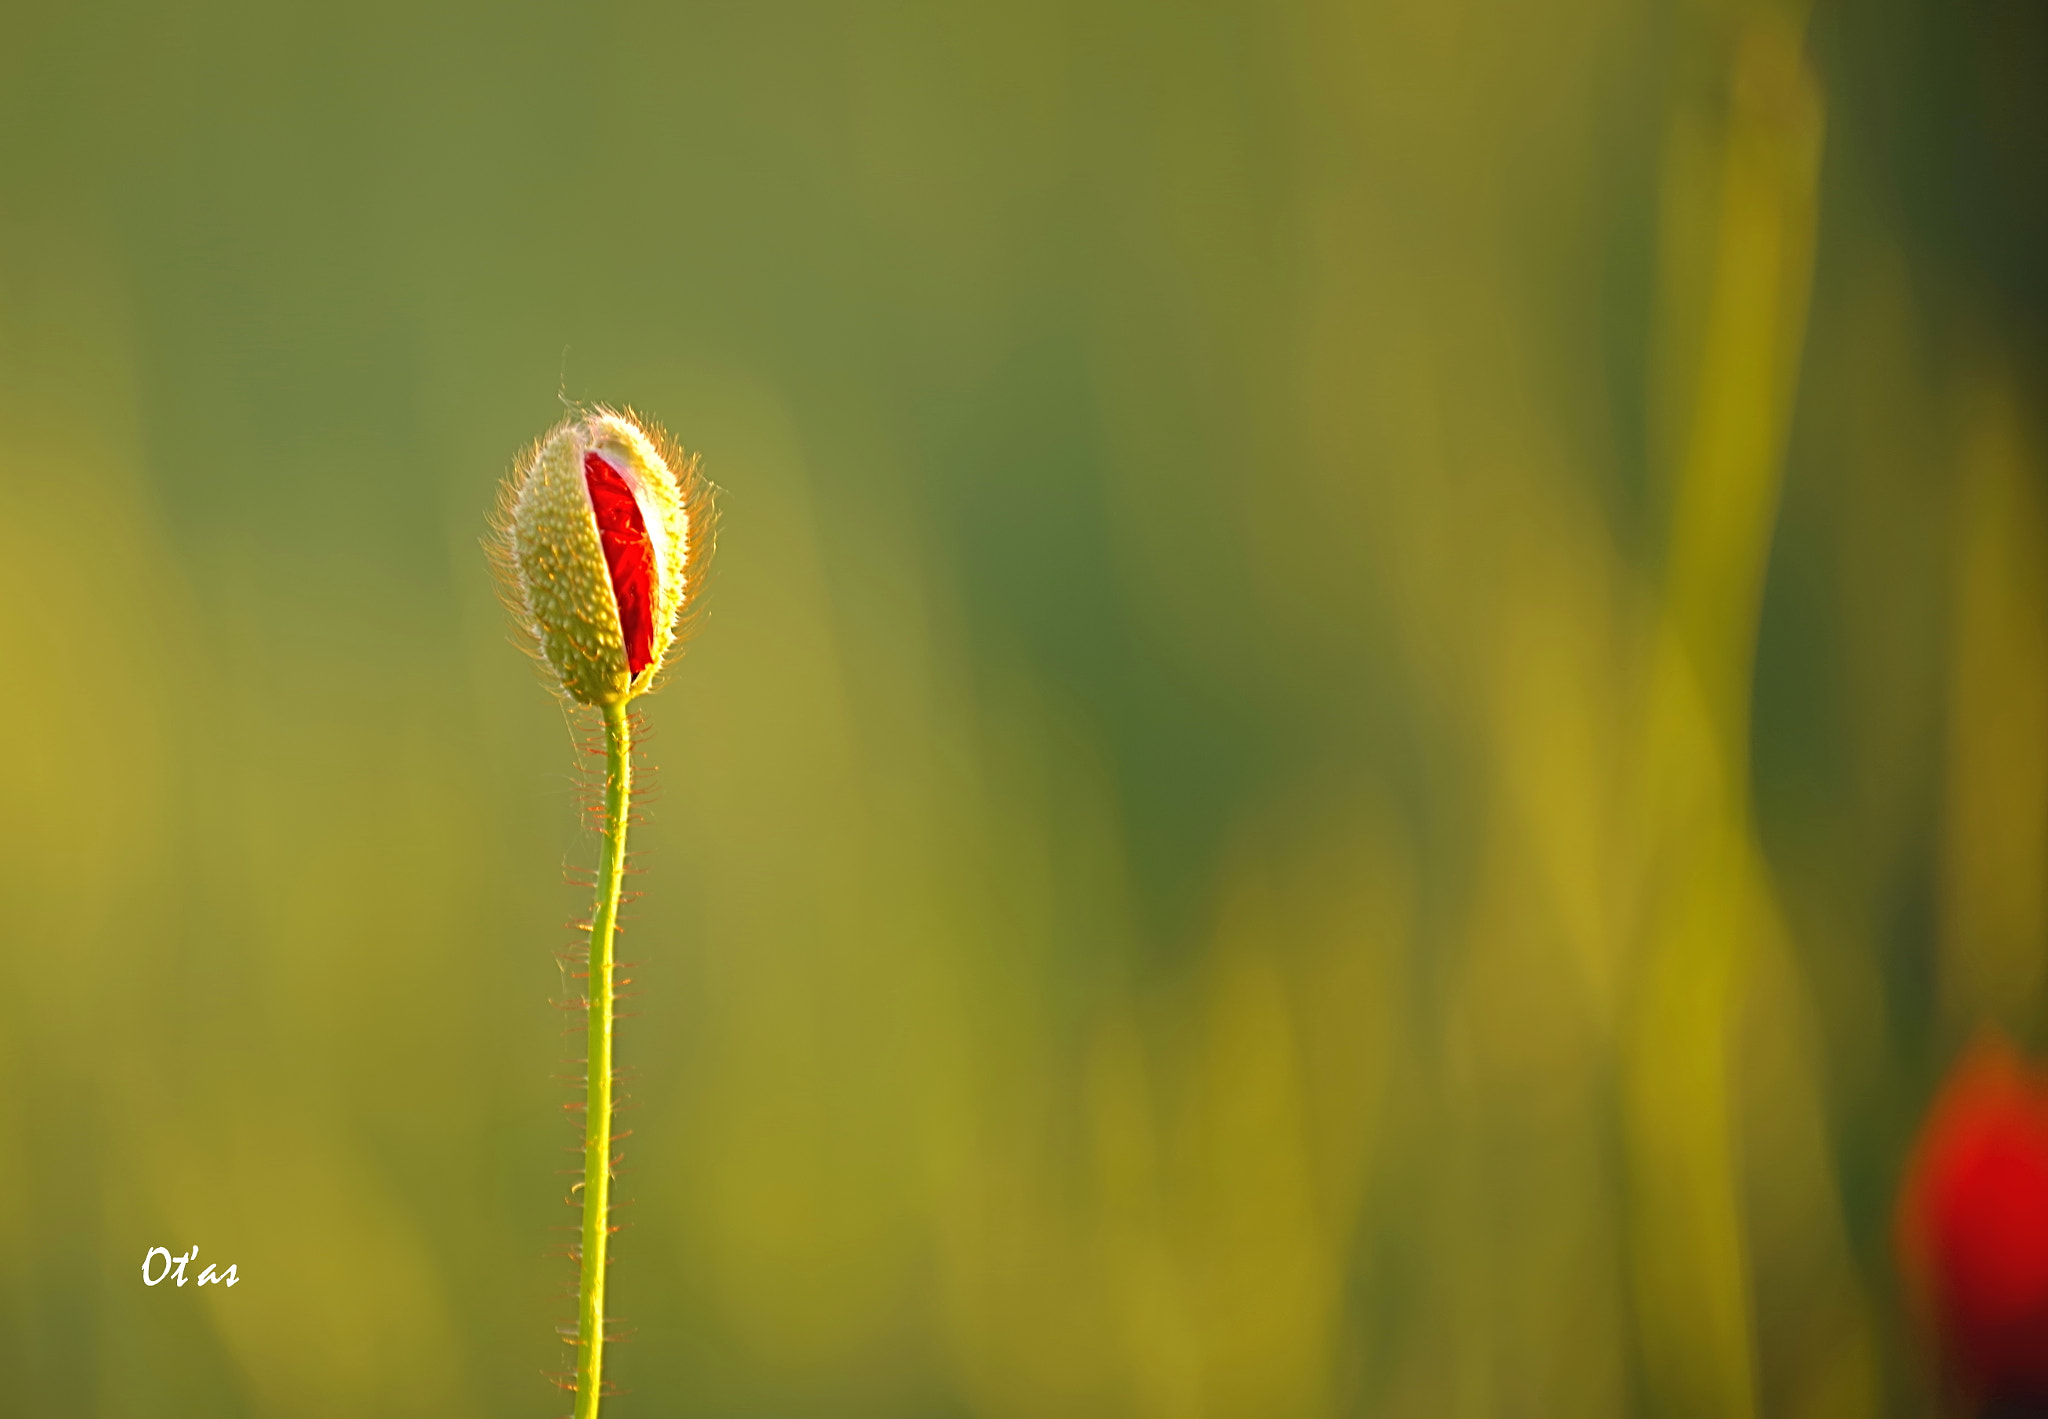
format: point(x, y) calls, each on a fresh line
point(597, 1116)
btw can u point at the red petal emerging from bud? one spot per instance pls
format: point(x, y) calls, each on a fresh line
point(628, 554)
point(1973, 1224)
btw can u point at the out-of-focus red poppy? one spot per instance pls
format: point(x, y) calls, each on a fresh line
point(1973, 1225)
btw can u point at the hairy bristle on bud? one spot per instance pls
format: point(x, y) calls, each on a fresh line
point(603, 534)
point(628, 555)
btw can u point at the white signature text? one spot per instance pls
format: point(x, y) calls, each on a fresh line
point(175, 1265)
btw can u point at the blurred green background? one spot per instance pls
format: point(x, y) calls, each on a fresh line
point(1374, 707)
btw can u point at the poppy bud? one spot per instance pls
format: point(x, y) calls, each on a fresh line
point(1973, 1226)
point(602, 537)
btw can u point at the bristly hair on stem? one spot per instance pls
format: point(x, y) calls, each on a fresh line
point(593, 1259)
